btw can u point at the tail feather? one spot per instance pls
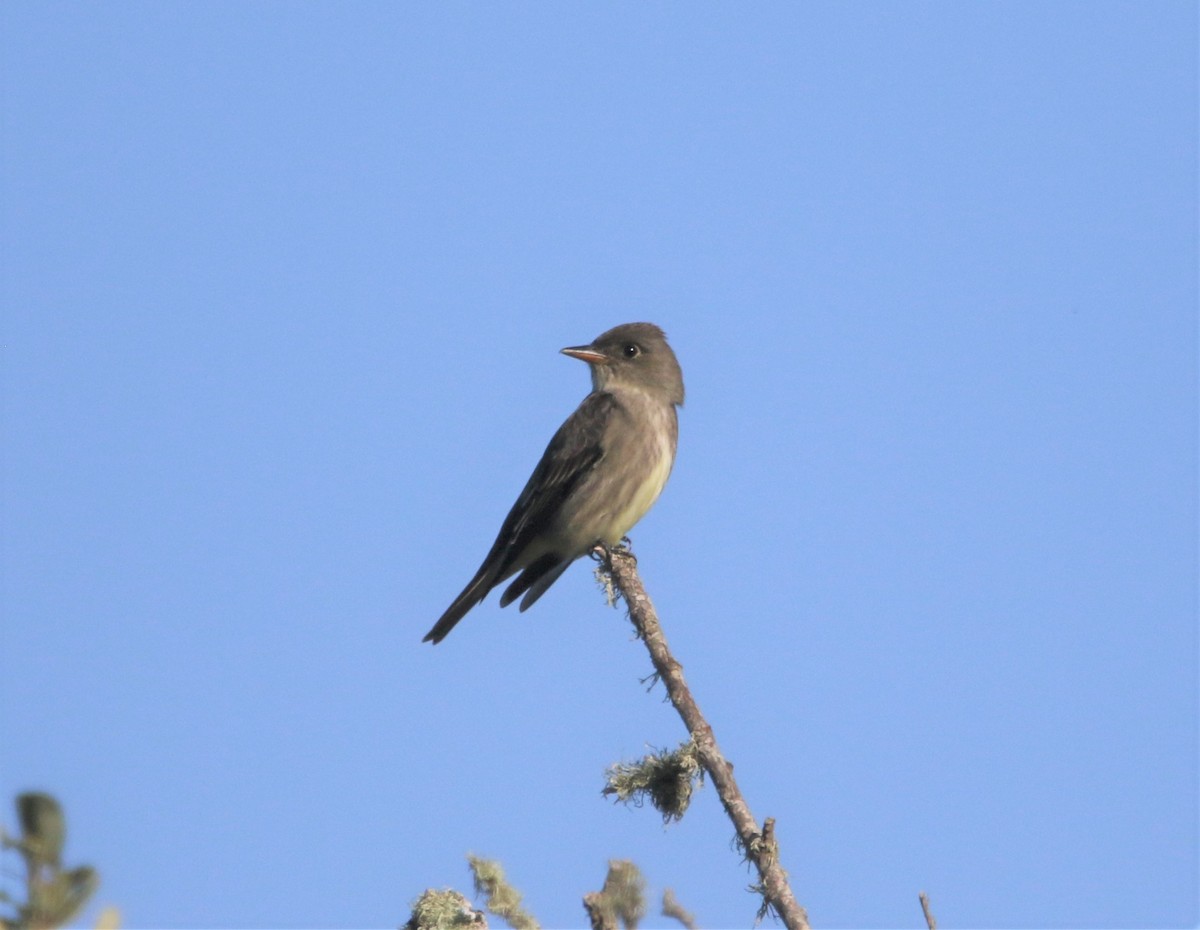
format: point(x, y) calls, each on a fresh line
point(471, 595)
point(532, 582)
point(540, 586)
point(529, 577)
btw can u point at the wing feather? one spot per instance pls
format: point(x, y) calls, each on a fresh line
point(571, 455)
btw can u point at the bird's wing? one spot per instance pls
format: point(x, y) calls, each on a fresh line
point(572, 453)
point(570, 456)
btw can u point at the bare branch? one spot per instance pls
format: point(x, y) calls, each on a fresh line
point(622, 899)
point(930, 922)
point(672, 908)
point(759, 846)
point(600, 917)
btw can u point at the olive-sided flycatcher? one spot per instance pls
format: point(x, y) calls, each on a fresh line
point(602, 471)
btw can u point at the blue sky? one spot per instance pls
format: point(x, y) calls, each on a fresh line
point(283, 289)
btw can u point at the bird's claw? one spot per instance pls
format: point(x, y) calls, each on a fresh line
point(625, 547)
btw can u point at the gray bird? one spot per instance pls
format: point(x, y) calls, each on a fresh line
point(602, 471)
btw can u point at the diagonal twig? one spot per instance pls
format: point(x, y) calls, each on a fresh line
point(930, 922)
point(759, 846)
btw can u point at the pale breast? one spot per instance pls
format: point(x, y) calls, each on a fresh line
point(639, 496)
point(628, 480)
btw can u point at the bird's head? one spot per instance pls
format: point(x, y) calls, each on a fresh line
point(633, 355)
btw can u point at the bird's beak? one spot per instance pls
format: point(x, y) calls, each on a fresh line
point(585, 354)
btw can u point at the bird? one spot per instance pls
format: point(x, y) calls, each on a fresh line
point(600, 474)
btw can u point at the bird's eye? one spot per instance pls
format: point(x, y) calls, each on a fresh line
point(631, 350)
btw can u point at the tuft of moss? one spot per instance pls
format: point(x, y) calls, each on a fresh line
point(503, 899)
point(666, 777)
point(445, 910)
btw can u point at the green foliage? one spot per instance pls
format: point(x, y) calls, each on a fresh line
point(53, 895)
point(43, 828)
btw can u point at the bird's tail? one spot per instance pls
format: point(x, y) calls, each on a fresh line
point(534, 581)
point(472, 594)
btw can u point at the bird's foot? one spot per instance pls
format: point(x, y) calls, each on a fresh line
point(601, 551)
point(625, 548)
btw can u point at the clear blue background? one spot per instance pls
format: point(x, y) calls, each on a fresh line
point(283, 289)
